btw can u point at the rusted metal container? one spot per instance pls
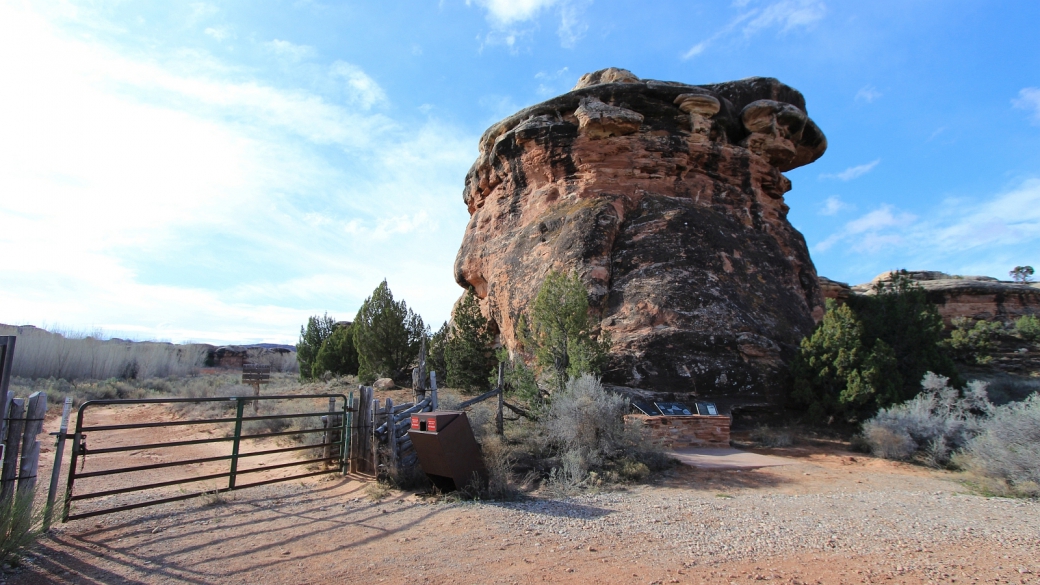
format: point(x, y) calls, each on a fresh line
point(448, 451)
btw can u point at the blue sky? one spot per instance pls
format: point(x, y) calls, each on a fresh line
point(218, 171)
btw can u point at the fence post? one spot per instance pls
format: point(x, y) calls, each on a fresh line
point(16, 423)
point(6, 365)
point(391, 437)
point(238, 438)
point(433, 390)
point(77, 438)
point(344, 450)
point(30, 462)
point(499, 420)
point(373, 422)
point(59, 450)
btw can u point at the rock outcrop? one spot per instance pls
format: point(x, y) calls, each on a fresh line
point(667, 200)
point(972, 297)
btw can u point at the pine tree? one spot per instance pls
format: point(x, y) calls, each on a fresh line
point(387, 335)
point(337, 354)
point(318, 329)
point(435, 361)
point(562, 331)
point(468, 351)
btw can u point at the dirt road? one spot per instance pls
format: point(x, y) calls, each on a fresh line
point(829, 517)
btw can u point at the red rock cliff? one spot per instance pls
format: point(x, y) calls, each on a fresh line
point(667, 200)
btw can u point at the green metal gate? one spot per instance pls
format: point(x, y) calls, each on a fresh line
point(334, 446)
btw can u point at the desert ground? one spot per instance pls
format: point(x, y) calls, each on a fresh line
point(827, 516)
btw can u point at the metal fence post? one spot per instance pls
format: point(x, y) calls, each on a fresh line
point(59, 450)
point(238, 438)
point(344, 449)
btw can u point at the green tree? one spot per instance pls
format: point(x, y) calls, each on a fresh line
point(435, 354)
point(900, 314)
point(468, 351)
point(972, 343)
point(337, 354)
point(561, 331)
point(1021, 274)
point(387, 335)
point(835, 375)
point(1028, 326)
point(318, 329)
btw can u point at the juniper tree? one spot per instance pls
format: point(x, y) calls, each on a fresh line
point(387, 335)
point(317, 330)
point(337, 354)
point(468, 350)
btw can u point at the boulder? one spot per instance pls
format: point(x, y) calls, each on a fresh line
point(384, 384)
point(667, 200)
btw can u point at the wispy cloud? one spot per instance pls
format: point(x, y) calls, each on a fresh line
point(981, 234)
point(785, 15)
point(1029, 99)
point(290, 50)
point(867, 93)
point(218, 33)
point(852, 172)
point(551, 84)
point(509, 17)
point(197, 201)
point(833, 205)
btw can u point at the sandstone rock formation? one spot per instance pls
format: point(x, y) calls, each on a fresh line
point(973, 297)
point(667, 200)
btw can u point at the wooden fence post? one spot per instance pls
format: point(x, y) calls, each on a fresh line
point(391, 438)
point(30, 462)
point(499, 420)
point(7, 343)
point(433, 391)
point(15, 425)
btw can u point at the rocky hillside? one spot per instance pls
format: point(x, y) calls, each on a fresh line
point(667, 199)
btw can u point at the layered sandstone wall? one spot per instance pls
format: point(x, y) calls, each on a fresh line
point(682, 432)
point(667, 200)
point(972, 297)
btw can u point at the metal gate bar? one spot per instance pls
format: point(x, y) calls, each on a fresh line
point(80, 449)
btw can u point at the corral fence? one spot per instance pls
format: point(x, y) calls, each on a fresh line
point(225, 423)
point(21, 420)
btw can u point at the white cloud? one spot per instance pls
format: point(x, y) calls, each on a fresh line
point(290, 50)
point(785, 15)
point(218, 33)
point(509, 17)
point(832, 205)
point(1029, 99)
point(365, 90)
point(552, 84)
point(852, 172)
point(695, 50)
point(506, 12)
point(185, 199)
point(958, 236)
point(867, 93)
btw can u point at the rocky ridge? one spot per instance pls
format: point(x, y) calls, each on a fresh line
point(666, 199)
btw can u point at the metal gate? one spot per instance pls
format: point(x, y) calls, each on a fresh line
point(335, 444)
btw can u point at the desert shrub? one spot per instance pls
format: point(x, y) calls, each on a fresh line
point(933, 424)
point(387, 335)
point(337, 354)
point(766, 436)
point(588, 421)
point(1007, 447)
point(468, 349)
point(1028, 326)
point(562, 334)
point(20, 525)
point(317, 330)
point(971, 342)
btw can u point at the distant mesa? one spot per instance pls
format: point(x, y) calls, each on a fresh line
point(971, 297)
point(667, 200)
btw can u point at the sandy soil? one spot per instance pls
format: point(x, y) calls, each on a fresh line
point(691, 526)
